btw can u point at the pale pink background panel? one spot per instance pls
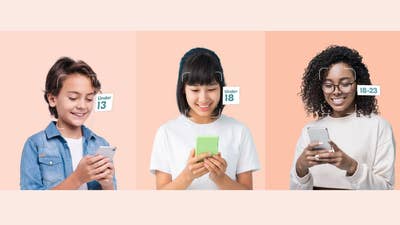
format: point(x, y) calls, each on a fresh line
point(25, 59)
point(242, 56)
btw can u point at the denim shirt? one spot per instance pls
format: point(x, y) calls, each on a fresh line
point(46, 159)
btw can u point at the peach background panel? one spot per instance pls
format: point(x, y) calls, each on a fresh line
point(25, 59)
point(288, 54)
point(242, 56)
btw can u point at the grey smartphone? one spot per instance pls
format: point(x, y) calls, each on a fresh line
point(107, 151)
point(319, 134)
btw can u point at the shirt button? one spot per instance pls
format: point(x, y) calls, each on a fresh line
point(51, 162)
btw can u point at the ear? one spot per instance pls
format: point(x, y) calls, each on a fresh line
point(52, 100)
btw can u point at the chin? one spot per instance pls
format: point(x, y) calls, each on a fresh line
point(204, 115)
point(342, 110)
point(77, 123)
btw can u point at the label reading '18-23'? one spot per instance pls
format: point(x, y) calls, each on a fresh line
point(369, 90)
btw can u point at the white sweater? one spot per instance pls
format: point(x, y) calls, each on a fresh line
point(368, 140)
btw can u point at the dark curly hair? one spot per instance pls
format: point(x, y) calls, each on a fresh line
point(311, 91)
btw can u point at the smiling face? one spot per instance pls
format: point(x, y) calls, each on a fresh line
point(339, 89)
point(202, 100)
point(74, 102)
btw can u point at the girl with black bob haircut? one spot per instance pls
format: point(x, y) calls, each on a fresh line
point(199, 99)
point(362, 148)
point(199, 64)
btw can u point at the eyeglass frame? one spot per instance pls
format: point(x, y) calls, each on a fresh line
point(336, 85)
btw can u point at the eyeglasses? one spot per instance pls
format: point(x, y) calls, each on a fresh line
point(344, 87)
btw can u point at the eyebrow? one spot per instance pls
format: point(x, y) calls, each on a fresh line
point(198, 85)
point(343, 78)
point(78, 93)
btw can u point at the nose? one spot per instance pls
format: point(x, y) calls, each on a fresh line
point(81, 104)
point(336, 90)
point(203, 96)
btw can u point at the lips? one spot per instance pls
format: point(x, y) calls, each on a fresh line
point(204, 108)
point(79, 115)
point(337, 101)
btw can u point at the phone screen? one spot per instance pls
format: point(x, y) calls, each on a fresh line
point(207, 144)
point(319, 134)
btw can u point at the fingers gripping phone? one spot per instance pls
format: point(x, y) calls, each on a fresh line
point(206, 144)
point(319, 134)
point(107, 151)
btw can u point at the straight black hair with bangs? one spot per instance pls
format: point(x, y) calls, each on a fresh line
point(199, 66)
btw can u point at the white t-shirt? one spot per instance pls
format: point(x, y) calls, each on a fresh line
point(175, 139)
point(368, 140)
point(76, 149)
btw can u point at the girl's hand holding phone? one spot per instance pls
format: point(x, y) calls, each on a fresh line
point(339, 159)
point(195, 166)
point(216, 165)
point(309, 158)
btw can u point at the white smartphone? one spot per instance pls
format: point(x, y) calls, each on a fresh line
point(319, 134)
point(107, 151)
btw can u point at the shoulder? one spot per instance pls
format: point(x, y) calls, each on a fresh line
point(37, 138)
point(232, 123)
point(378, 118)
point(177, 123)
point(35, 142)
point(313, 123)
point(90, 135)
point(381, 122)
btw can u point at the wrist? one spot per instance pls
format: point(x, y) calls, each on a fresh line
point(352, 169)
point(107, 185)
point(219, 180)
point(75, 179)
point(187, 177)
point(301, 171)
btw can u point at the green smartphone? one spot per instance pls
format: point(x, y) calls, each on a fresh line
point(207, 144)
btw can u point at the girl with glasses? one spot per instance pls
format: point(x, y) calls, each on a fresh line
point(362, 150)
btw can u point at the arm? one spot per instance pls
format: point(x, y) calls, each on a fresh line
point(300, 177)
point(372, 174)
point(164, 181)
point(193, 170)
point(216, 165)
point(381, 174)
point(89, 168)
point(30, 175)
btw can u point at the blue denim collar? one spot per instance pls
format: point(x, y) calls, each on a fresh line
point(52, 131)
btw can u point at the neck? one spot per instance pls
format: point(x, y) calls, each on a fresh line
point(69, 131)
point(344, 113)
point(201, 119)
